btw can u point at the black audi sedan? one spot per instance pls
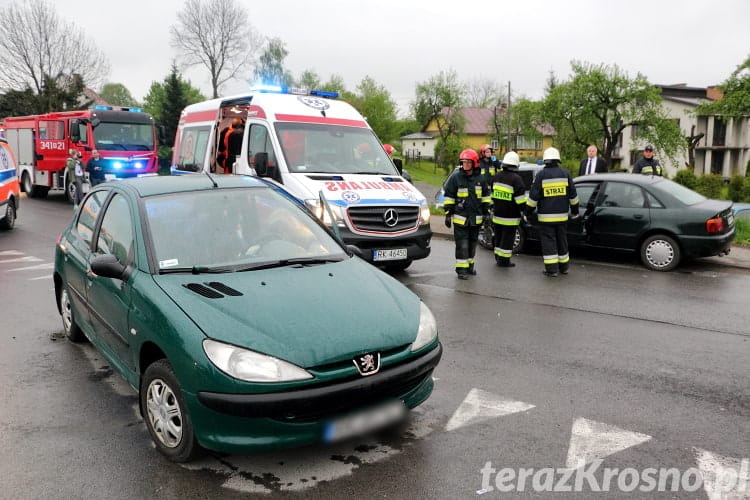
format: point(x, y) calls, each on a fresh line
point(665, 222)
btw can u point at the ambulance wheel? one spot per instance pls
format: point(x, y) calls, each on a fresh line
point(398, 266)
point(10, 216)
point(70, 327)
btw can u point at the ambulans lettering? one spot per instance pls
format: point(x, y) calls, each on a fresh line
point(362, 185)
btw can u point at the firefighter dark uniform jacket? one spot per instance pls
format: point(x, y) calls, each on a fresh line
point(647, 166)
point(551, 194)
point(488, 168)
point(508, 197)
point(467, 197)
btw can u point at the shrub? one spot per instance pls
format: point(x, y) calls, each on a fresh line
point(687, 178)
point(737, 188)
point(710, 185)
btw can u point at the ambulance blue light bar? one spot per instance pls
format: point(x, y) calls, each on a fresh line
point(276, 89)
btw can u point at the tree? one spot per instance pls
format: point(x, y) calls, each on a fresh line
point(599, 102)
point(166, 100)
point(736, 100)
point(482, 93)
point(374, 102)
point(117, 94)
point(36, 43)
point(215, 34)
point(18, 103)
point(270, 69)
point(439, 99)
point(309, 79)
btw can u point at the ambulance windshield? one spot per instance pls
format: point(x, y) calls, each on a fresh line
point(110, 136)
point(332, 149)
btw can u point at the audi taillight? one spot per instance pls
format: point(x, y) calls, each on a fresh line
point(715, 225)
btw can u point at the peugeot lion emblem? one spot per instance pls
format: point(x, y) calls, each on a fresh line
point(367, 364)
point(390, 217)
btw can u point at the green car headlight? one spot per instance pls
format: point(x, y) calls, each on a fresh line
point(251, 366)
point(427, 331)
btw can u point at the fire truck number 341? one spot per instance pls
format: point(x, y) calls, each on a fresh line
point(52, 145)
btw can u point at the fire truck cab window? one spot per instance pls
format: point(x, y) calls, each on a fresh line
point(52, 130)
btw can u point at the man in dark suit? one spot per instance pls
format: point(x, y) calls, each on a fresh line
point(592, 164)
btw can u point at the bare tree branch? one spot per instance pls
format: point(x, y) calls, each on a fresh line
point(215, 34)
point(38, 43)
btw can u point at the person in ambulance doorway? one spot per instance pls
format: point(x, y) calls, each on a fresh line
point(226, 157)
point(551, 194)
point(467, 202)
point(592, 164)
point(647, 164)
point(488, 163)
point(509, 200)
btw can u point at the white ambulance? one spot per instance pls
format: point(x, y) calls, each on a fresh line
point(309, 142)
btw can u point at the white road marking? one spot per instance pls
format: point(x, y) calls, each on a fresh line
point(28, 258)
point(10, 252)
point(480, 406)
point(45, 277)
point(34, 268)
point(724, 478)
point(302, 469)
point(590, 440)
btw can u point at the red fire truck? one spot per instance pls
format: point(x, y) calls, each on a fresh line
point(126, 139)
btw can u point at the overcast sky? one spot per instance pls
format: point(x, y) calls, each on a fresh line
point(401, 42)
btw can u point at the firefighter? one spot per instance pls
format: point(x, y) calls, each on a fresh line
point(467, 202)
point(647, 164)
point(488, 164)
point(509, 202)
point(551, 194)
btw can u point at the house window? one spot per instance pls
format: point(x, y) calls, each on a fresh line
point(414, 144)
point(494, 144)
point(423, 144)
point(634, 156)
point(720, 132)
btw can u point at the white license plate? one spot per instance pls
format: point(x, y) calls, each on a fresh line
point(150, 174)
point(730, 219)
point(110, 177)
point(364, 421)
point(389, 254)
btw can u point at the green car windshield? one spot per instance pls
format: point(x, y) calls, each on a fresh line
point(228, 230)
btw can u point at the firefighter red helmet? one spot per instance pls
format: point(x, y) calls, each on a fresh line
point(389, 149)
point(484, 148)
point(469, 154)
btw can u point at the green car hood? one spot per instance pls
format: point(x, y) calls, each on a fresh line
point(308, 316)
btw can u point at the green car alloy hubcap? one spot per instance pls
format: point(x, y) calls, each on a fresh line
point(164, 413)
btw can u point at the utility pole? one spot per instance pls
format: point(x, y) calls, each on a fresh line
point(507, 116)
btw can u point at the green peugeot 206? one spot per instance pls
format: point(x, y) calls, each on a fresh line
point(239, 318)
